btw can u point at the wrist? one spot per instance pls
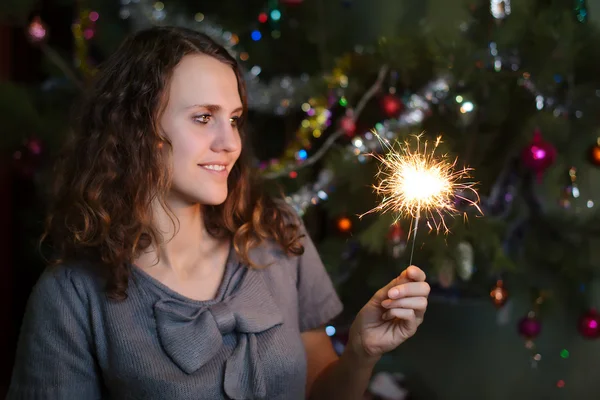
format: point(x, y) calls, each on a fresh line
point(360, 360)
point(355, 351)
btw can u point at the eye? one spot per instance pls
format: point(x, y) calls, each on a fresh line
point(234, 121)
point(202, 119)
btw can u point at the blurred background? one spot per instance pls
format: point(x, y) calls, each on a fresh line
point(512, 87)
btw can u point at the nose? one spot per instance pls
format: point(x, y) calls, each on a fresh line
point(227, 138)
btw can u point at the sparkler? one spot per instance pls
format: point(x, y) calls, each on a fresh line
point(417, 183)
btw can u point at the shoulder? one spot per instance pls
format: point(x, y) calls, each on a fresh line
point(73, 279)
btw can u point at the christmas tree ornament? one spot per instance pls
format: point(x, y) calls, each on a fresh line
point(37, 32)
point(503, 191)
point(465, 260)
point(530, 326)
point(581, 10)
point(396, 240)
point(84, 29)
point(538, 155)
point(28, 158)
point(595, 153)
point(34, 146)
point(347, 124)
point(589, 324)
point(344, 224)
point(500, 9)
point(499, 294)
point(446, 274)
point(571, 191)
point(391, 105)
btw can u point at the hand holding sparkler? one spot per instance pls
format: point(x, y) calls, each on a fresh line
point(416, 183)
point(391, 316)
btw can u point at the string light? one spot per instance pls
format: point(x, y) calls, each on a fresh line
point(278, 95)
point(275, 15)
point(314, 193)
point(84, 29)
point(500, 9)
point(256, 35)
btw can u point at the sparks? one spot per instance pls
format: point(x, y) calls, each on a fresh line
point(416, 183)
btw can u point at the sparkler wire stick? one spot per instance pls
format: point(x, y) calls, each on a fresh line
point(412, 250)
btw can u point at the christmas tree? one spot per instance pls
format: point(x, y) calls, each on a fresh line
point(511, 88)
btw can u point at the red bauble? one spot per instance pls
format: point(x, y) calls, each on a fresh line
point(396, 240)
point(396, 234)
point(538, 155)
point(589, 324)
point(348, 125)
point(392, 105)
point(529, 326)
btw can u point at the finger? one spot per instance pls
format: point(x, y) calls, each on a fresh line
point(410, 289)
point(411, 273)
point(406, 314)
point(415, 303)
point(382, 293)
point(415, 274)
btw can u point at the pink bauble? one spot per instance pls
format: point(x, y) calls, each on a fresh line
point(530, 327)
point(539, 155)
point(589, 324)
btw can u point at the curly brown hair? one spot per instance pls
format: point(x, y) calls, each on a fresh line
point(111, 171)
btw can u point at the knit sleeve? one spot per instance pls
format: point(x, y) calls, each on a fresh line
point(54, 359)
point(317, 298)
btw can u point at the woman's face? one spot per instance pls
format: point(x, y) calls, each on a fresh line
point(200, 120)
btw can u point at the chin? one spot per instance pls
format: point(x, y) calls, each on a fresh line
point(212, 199)
point(205, 197)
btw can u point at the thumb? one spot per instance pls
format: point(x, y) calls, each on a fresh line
point(382, 293)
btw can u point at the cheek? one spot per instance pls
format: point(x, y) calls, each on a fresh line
point(189, 146)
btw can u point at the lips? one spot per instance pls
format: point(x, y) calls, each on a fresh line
point(216, 168)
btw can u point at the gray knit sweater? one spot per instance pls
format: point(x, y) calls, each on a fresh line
point(245, 344)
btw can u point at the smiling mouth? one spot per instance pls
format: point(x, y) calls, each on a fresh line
point(217, 168)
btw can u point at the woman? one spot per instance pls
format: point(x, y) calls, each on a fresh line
point(177, 278)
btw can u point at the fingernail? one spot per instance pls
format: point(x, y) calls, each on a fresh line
point(386, 303)
point(394, 293)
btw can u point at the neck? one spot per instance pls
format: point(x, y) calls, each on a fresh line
point(186, 242)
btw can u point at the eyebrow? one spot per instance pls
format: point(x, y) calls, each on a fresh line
point(213, 107)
